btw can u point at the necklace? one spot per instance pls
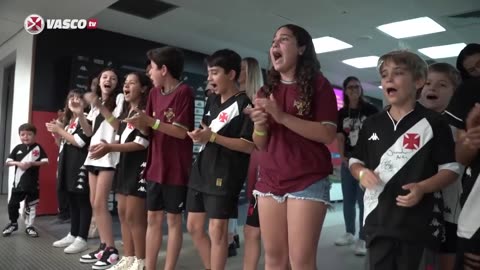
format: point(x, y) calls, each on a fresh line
point(163, 92)
point(288, 82)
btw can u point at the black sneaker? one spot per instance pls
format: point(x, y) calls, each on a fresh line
point(236, 240)
point(109, 258)
point(9, 229)
point(94, 256)
point(232, 250)
point(31, 232)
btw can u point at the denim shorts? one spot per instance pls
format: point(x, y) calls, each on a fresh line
point(317, 192)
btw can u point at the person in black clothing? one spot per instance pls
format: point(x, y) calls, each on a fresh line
point(220, 170)
point(72, 178)
point(463, 112)
point(130, 186)
point(27, 158)
point(403, 157)
point(350, 119)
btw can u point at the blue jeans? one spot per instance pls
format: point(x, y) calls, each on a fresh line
point(352, 194)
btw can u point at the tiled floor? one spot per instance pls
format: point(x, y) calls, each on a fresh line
point(22, 252)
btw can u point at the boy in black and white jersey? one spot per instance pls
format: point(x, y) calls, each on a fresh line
point(404, 154)
point(27, 157)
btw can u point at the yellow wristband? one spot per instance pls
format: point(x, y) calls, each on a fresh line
point(361, 174)
point(111, 119)
point(259, 133)
point(213, 137)
point(156, 124)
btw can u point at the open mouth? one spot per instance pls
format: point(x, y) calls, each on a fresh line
point(213, 86)
point(276, 55)
point(107, 86)
point(391, 91)
point(432, 97)
point(126, 92)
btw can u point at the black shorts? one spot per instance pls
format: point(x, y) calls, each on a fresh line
point(252, 214)
point(96, 170)
point(450, 244)
point(469, 245)
point(390, 253)
point(168, 198)
point(217, 207)
point(131, 184)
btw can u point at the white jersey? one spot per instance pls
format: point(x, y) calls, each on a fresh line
point(102, 130)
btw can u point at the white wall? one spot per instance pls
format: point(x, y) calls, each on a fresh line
point(21, 46)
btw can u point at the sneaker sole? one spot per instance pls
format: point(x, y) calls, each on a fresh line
point(88, 260)
point(61, 246)
point(96, 267)
point(75, 251)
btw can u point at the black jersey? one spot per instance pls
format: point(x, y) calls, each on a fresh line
point(130, 167)
point(462, 102)
point(27, 181)
point(408, 151)
point(71, 174)
point(217, 169)
point(350, 122)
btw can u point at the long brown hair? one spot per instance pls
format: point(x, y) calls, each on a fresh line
point(307, 67)
point(67, 113)
point(146, 83)
point(110, 103)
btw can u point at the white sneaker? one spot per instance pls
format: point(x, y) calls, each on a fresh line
point(77, 246)
point(360, 248)
point(138, 264)
point(345, 240)
point(124, 264)
point(64, 242)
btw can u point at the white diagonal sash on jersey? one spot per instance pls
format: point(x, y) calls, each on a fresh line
point(469, 219)
point(126, 132)
point(393, 160)
point(219, 122)
point(27, 158)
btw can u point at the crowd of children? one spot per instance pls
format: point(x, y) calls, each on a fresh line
point(409, 159)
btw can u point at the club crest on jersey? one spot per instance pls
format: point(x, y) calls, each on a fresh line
point(169, 115)
point(302, 106)
point(411, 141)
point(73, 125)
point(35, 153)
point(130, 126)
point(223, 117)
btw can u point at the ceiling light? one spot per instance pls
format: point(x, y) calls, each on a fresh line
point(362, 62)
point(329, 44)
point(444, 51)
point(411, 28)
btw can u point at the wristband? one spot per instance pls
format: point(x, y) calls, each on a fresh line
point(361, 174)
point(259, 133)
point(111, 119)
point(213, 137)
point(156, 124)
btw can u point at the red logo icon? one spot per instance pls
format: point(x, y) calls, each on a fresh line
point(35, 153)
point(34, 24)
point(411, 141)
point(223, 117)
point(130, 126)
point(72, 125)
point(92, 23)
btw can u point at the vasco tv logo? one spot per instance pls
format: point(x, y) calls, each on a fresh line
point(34, 24)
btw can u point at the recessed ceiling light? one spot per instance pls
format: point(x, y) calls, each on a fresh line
point(329, 44)
point(362, 62)
point(411, 28)
point(444, 51)
point(380, 87)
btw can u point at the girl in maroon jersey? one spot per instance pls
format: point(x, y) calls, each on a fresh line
point(295, 117)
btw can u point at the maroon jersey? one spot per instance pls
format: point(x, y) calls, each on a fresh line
point(291, 162)
point(169, 159)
